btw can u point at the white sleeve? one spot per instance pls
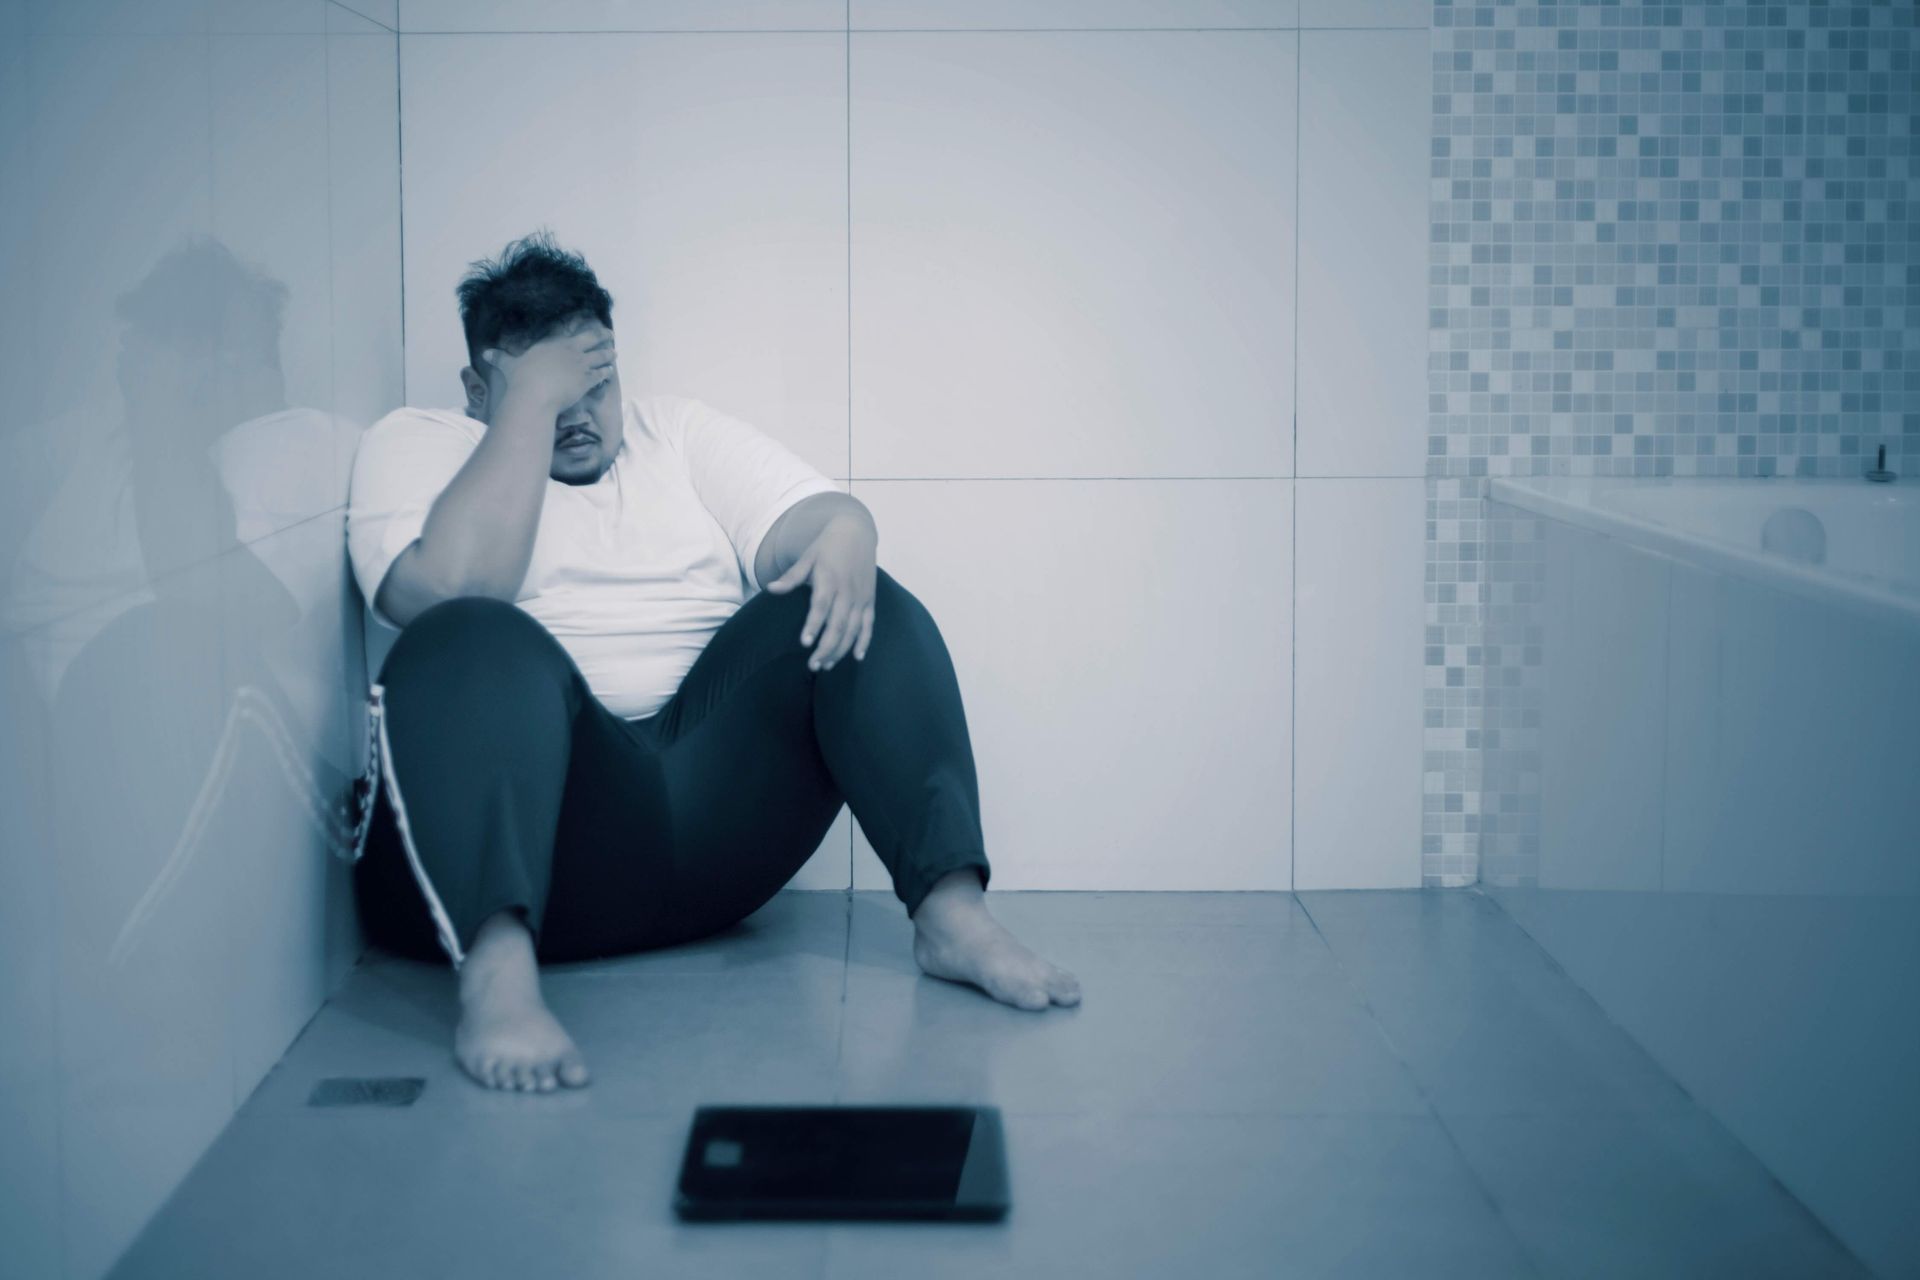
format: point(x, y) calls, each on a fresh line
point(401, 465)
point(745, 477)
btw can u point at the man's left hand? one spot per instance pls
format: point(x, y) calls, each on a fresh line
point(840, 565)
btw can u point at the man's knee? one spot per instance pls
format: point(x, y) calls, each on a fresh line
point(780, 615)
point(892, 601)
point(477, 635)
point(892, 604)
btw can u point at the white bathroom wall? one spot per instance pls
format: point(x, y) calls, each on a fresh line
point(1361, 450)
point(202, 264)
point(1041, 284)
point(1072, 301)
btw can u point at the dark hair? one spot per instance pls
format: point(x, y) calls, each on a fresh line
point(530, 290)
point(200, 296)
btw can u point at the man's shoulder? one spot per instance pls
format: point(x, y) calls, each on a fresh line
point(409, 451)
point(661, 416)
point(413, 421)
point(660, 409)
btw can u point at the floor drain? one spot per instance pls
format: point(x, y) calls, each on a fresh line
point(366, 1091)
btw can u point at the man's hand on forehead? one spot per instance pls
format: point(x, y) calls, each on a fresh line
point(558, 370)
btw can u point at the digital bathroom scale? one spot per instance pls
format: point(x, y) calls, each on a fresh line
point(844, 1162)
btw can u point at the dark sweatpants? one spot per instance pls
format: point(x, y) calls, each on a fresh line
point(507, 784)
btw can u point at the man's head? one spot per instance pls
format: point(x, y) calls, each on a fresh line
point(200, 342)
point(536, 290)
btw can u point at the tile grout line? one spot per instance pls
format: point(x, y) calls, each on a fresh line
point(850, 478)
point(850, 30)
point(847, 102)
point(400, 195)
point(1694, 1103)
point(1453, 1143)
point(1293, 509)
point(846, 67)
point(846, 967)
point(342, 4)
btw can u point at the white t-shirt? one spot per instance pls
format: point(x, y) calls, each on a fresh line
point(632, 574)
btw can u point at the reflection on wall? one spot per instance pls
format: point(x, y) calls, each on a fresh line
point(176, 630)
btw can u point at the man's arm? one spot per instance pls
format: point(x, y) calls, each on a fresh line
point(478, 538)
point(799, 525)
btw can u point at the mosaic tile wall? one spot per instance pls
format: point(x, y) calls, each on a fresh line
point(1666, 239)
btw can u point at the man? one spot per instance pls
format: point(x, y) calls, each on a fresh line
point(595, 733)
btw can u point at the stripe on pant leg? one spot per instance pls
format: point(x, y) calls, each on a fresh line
point(363, 792)
point(449, 940)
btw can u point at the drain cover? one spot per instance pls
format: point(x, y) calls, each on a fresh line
point(366, 1091)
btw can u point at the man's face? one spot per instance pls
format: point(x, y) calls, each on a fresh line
point(588, 432)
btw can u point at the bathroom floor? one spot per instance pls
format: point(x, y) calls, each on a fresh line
point(1255, 1084)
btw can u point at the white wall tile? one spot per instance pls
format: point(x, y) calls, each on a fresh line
point(270, 210)
point(1072, 253)
point(141, 467)
point(384, 12)
point(1365, 97)
point(142, 143)
point(267, 17)
point(342, 20)
point(1122, 655)
point(702, 176)
point(17, 216)
point(145, 910)
point(118, 17)
point(1357, 680)
point(1090, 14)
point(292, 755)
point(172, 17)
point(363, 190)
point(622, 15)
point(1366, 13)
point(29, 955)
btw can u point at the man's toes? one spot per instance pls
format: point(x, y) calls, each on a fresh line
point(573, 1072)
point(1063, 987)
point(1027, 995)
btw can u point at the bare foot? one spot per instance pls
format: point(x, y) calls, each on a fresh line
point(955, 938)
point(507, 1038)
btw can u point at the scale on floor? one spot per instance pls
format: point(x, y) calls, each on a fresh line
point(849, 1163)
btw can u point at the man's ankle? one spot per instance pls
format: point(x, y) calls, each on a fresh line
point(960, 889)
point(502, 944)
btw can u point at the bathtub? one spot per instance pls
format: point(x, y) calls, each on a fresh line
point(1851, 543)
point(1703, 762)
